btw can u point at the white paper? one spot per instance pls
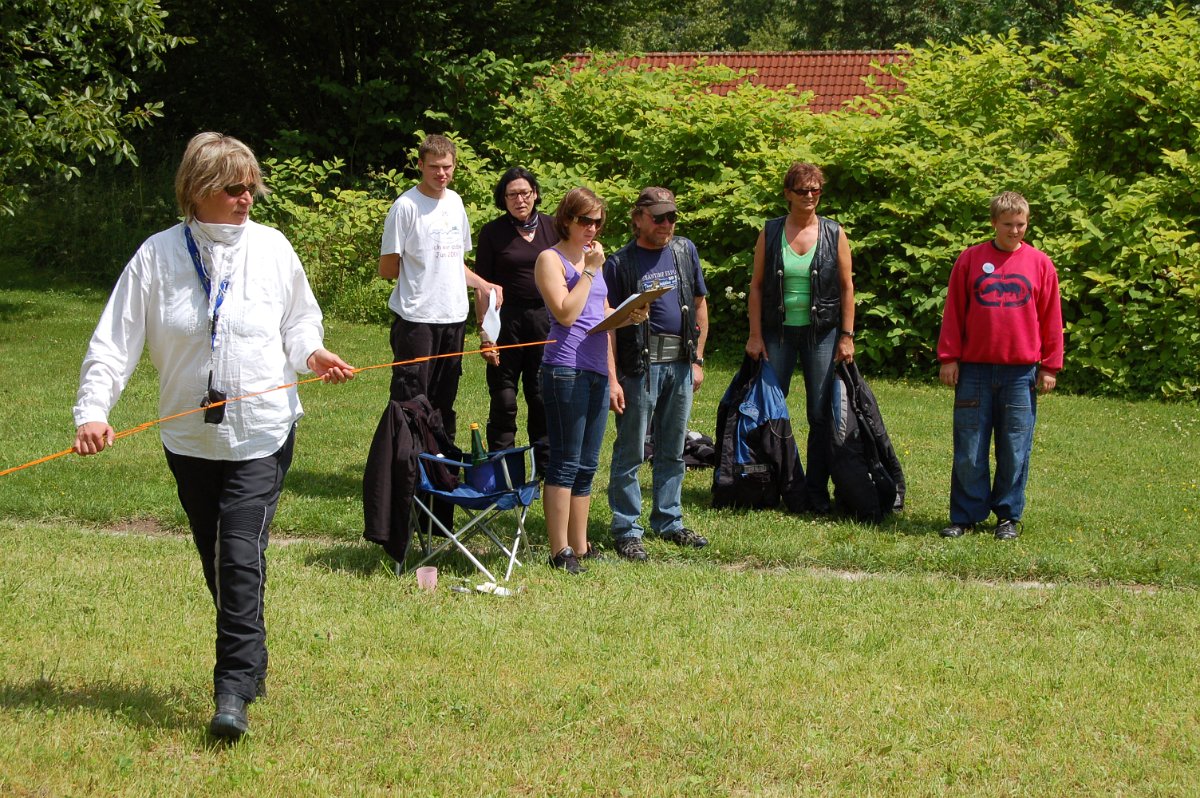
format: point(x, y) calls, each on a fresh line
point(491, 319)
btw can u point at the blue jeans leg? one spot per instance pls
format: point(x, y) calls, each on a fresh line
point(576, 404)
point(624, 492)
point(1016, 413)
point(669, 402)
point(796, 344)
point(673, 382)
point(991, 400)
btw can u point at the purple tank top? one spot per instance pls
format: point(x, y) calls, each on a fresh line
point(572, 346)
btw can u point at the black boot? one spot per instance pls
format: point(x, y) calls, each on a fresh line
point(230, 720)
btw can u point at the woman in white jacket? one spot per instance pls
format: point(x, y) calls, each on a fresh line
point(225, 309)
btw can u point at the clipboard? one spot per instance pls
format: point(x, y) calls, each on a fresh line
point(621, 312)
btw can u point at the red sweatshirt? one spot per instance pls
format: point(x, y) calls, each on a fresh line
point(1002, 308)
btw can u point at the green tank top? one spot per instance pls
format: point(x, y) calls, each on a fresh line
point(797, 284)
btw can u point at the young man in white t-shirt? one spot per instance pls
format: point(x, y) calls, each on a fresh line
point(425, 240)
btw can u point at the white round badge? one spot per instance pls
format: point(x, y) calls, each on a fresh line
point(988, 268)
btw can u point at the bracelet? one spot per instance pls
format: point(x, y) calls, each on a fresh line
point(848, 333)
point(590, 275)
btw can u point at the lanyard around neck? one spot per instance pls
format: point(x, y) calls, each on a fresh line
point(202, 273)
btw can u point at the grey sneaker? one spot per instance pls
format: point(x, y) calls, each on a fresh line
point(630, 548)
point(567, 561)
point(1008, 529)
point(685, 537)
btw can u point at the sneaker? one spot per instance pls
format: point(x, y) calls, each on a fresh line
point(685, 537)
point(631, 548)
point(567, 561)
point(957, 530)
point(1007, 529)
point(229, 722)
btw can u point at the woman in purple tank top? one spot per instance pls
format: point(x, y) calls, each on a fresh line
point(574, 374)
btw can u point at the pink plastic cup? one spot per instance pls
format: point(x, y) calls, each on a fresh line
point(427, 578)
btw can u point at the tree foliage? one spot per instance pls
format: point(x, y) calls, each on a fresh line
point(1099, 129)
point(847, 24)
point(355, 79)
point(67, 83)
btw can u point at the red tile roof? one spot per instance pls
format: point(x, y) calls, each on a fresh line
point(834, 76)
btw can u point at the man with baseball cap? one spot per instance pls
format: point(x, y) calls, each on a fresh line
point(658, 364)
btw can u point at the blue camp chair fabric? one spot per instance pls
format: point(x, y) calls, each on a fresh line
point(494, 497)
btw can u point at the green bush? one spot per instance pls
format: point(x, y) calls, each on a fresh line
point(1099, 128)
point(334, 230)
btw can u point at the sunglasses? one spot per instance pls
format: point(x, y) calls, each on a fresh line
point(806, 191)
point(587, 221)
point(669, 216)
point(238, 189)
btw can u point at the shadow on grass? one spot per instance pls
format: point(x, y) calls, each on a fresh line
point(362, 559)
point(141, 707)
point(693, 496)
point(325, 484)
point(367, 559)
point(905, 523)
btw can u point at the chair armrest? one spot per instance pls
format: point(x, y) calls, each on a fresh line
point(437, 458)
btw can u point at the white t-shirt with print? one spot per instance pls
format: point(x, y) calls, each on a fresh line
point(432, 237)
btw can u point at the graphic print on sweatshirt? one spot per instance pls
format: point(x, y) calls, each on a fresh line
point(1002, 290)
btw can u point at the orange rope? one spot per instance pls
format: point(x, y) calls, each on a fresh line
point(148, 424)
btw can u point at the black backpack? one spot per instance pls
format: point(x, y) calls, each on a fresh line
point(757, 462)
point(868, 482)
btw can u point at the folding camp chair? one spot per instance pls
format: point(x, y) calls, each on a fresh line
point(486, 493)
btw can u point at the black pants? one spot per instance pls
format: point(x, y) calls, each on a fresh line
point(229, 505)
point(437, 378)
point(519, 325)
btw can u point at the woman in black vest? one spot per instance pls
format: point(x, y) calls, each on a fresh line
point(802, 309)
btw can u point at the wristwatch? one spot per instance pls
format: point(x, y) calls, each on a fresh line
point(848, 333)
point(699, 361)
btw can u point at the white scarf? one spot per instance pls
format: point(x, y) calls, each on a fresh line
point(222, 243)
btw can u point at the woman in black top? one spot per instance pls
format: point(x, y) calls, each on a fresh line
point(505, 254)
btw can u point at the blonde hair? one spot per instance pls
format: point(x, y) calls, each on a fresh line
point(1009, 202)
point(211, 162)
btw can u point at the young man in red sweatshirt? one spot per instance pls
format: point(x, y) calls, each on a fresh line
point(1001, 343)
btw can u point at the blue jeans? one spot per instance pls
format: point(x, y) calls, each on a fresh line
point(669, 404)
point(992, 399)
point(816, 361)
point(576, 404)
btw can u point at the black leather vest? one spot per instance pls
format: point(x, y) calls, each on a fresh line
point(632, 354)
point(826, 309)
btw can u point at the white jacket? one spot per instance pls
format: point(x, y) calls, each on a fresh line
point(268, 326)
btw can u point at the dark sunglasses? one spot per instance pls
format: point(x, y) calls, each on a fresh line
point(238, 189)
point(669, 216)
point(806, 191)
point(587, 221)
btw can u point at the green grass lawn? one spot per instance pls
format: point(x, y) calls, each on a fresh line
point(752, 667)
